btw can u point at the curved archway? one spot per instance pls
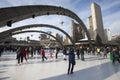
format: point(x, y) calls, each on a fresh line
point(35, 25)
point(24, 12)
point(27, 31)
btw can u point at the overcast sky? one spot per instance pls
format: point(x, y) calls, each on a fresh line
point(110, 13)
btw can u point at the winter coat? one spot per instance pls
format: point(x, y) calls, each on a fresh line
point(24, 53)
point(71, 57)
point(42, 52)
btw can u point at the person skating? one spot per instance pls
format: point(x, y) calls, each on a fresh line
point(43, 54)
point(116, 55)
point(24, 54)
point(82, 53)
point(71, 59)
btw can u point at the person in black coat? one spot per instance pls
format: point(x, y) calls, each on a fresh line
point(78, 52)
point(65, 53)
point(56, 54)
point(19, 54)
point(71, 58)
point(82, 53)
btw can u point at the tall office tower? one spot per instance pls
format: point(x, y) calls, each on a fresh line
point(72, 25)
point(66, 40)
point(90, 26)
point(49, 35)
point(59, 37)
point(97, 22)
point(43, 36)
point(107, 34)
point(77, 32)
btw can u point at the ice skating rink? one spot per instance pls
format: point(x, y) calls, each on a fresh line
point(93, 68)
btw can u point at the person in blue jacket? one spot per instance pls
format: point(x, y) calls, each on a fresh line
point(71, 59)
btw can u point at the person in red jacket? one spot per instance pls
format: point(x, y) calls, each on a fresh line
point(24, 54)
point(42, 52)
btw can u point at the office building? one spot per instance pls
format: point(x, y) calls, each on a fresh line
point(90, 26)
point(107, 34)
point(77, 32)
point(97, 22)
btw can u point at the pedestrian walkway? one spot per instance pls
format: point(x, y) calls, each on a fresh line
point(93, 68)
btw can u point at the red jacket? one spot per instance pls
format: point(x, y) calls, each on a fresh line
point(24, 53)
point(42, 52)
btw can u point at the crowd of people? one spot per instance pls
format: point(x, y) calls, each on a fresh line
point(68, 52)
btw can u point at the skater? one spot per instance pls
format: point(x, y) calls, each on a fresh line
point(51, 54)
point(43, 54)
point(72, 62)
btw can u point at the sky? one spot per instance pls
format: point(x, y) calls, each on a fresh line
point(110, 14)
